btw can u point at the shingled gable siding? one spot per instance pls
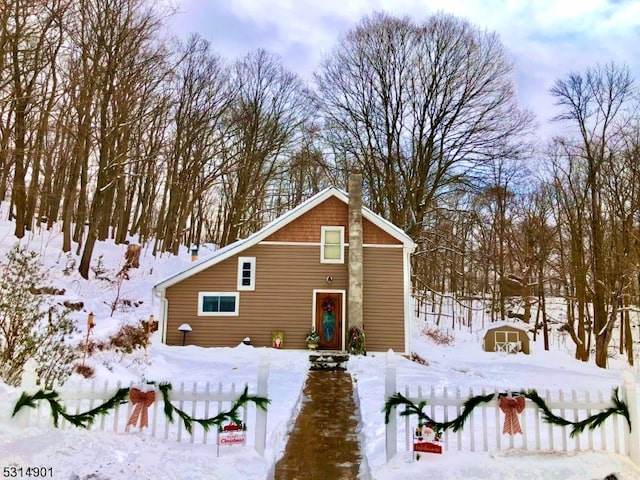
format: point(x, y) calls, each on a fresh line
point(331, 212)
point(286, 276)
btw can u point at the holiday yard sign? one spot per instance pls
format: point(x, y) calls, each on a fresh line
point(232, 434)
point(427, 439)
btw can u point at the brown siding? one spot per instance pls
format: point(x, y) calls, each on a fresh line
point(282, 300)
point(383, 310)
point(331, 212)
point(285, 279)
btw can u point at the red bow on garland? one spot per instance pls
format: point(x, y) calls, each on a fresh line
point(511, 407)
point(141, 401)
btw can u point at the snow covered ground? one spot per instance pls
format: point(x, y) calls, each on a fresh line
point(79, 454)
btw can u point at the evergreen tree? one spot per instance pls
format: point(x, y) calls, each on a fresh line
point(29, 328)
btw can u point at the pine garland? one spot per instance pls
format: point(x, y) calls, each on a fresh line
point(218, 420)
point(592, 422)
point(413, 409)
point(58, 410)
point(84, 420)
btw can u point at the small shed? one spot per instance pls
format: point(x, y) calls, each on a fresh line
point(506, 338)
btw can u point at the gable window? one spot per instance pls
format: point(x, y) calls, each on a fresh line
point(246, 273)
point(332, 245)
point(218, 303)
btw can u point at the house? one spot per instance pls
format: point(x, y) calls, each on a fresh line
point(297, 274)
point(506, 338)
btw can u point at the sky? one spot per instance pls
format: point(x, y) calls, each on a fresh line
point(546, 39)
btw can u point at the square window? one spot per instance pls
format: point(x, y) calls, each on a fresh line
point(210, 304)
point(332, 252)
point(227, 304)
point(332, 237)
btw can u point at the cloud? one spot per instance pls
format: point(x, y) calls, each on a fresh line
point(546, 39)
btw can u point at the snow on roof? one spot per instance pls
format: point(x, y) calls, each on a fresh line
point(506, 323)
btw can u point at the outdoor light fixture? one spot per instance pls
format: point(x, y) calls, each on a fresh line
point(90, 324)
point(329, 279)
point(91, 321)
point(150, 325)
point(184, 328)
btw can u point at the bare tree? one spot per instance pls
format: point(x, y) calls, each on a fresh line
point(122, 33)
point(621, 194)
point(571, 215)
point(417, 108)
point(594, 104)
point(31, 37)
point(195, 157)
point(269, 114)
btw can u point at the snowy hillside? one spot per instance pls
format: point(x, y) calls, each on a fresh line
point(79, 454)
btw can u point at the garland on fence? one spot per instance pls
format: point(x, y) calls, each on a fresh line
point(592, 422)
point(207, 423)
point(412, 409)
point(85, 419)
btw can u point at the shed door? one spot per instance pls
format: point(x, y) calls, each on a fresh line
point(329, 320)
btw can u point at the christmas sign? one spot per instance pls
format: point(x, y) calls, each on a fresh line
point(427, 439)
point(233, 434)
point(427, 447)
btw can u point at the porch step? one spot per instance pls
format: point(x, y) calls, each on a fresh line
point(328, 360)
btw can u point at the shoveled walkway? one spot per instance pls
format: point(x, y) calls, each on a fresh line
point(323, 444)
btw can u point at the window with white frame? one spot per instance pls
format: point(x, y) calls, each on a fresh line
point(218, 304)
point(246, 273)
point(332, 245)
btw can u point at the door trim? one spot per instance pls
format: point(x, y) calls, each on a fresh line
point(315, 293)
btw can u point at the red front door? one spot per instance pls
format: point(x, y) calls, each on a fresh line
point(329, 320)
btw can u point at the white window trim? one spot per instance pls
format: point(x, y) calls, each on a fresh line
point(202, 313)
point(322, 232)
point(252, 284)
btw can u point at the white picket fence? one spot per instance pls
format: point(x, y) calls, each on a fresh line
point(483, 428)
point(198, 401)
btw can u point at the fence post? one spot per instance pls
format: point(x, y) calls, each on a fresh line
point(28, 383)
point(630, 394)
point(261, 415)
point(390, 389)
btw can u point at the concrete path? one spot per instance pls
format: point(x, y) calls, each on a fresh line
point(323, 444)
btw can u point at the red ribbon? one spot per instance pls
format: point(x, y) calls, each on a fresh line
point(511, 408)
point(141, 401)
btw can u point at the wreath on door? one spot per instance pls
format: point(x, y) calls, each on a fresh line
point(328, 304)
point(328, 318)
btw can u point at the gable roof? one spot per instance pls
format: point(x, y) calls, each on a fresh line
point(504, 325)
point(284, 219)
